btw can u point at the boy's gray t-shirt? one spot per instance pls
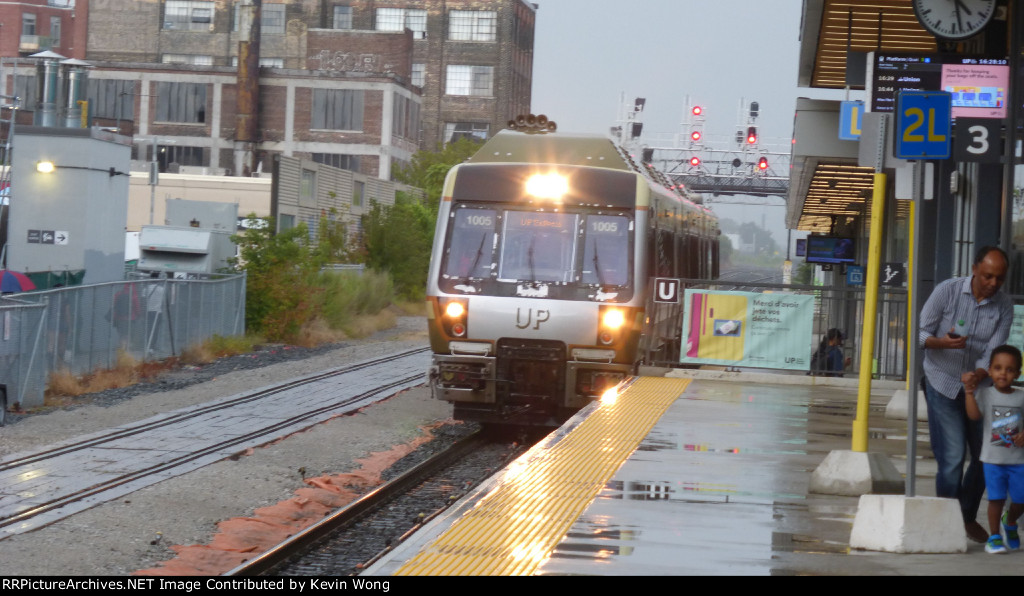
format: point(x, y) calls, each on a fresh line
point(1004, 413)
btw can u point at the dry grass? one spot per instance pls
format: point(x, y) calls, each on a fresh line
point(411, 309)
point(126, 371)
point(317, 333)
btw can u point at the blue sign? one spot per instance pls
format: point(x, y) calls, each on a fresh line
point(854, 275)
point(849, 120)
point(923, 124)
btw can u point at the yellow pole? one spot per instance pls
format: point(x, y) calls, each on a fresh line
point(867, 336)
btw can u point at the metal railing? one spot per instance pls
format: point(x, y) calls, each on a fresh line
point(83, 329)
point(834, 307)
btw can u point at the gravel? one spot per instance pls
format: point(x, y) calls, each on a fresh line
point(139, 530)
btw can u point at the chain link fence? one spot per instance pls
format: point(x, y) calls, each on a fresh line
point(82, 329)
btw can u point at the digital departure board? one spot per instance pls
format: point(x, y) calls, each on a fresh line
point(978, 86)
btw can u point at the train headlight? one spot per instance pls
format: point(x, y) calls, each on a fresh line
point(547, 186)
point(455, 312)
point(613, 320)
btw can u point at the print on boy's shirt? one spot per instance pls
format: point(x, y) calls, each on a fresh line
point(1006, 423)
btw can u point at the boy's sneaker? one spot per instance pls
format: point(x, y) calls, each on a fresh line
point(1012, 538)
point(995, 545)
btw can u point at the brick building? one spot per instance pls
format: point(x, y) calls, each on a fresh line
point(472, 59)
point(32, 26)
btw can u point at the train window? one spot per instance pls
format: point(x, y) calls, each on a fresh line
point(606, 249)
point(472, 243)
point(538, 247)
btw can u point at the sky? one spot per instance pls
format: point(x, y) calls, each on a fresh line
point(719, 54)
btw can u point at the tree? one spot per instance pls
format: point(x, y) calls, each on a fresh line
point(428, 169)
point(282, 292)
point(398, 238)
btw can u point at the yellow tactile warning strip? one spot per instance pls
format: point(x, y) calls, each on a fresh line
point(514, 529)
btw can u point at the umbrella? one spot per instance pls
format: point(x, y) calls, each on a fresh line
point(12, 281)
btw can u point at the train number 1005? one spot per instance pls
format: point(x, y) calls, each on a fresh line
point(604, 226)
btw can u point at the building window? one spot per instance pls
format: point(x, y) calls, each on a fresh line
point(470, 80)
point(337, 109)
point(112, 99)
point(400, 19)
point(188, 15)
point(473, 25)
point(273, 19)
point(419, 74)
point(181, 102)
point(170, 158)
point(358, 193)
point(54, 32)
point(307, 189)
point(25, 90)
point(338, 160)
point(285, 222)
point(405, 118)
point(474, 131)
point(28, 24)
point(268, 62)
point(342, 17)
point(187, 59)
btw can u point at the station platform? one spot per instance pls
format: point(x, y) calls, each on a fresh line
point(685, 476)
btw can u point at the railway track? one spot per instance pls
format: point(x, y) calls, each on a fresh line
point(358, 534)
point(41, 487)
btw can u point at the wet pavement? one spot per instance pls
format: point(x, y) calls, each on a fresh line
point(719, 487)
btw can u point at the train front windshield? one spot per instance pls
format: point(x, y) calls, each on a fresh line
point(494, 251)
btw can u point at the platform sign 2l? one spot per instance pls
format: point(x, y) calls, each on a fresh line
point(923, 124)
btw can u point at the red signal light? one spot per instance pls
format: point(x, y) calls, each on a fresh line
point(751, 135)
point(695, 161)
point(697, 110)
point(695, 135)
point(762, 164)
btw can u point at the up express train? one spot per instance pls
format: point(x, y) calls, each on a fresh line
point(541, 282)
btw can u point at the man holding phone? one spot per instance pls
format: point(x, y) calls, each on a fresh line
point(961, 322)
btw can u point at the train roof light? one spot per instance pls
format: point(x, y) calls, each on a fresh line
point(547, 186)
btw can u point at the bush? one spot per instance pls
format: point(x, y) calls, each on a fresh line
point(398, 240)
point(286, 289)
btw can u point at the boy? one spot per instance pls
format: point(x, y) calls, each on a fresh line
point(1002, 452)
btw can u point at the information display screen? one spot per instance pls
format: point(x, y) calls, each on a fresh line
point(830, 249)
point(978, 86)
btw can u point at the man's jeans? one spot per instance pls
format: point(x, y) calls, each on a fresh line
point(953, 433)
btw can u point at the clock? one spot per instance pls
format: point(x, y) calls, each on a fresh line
point(954, 19)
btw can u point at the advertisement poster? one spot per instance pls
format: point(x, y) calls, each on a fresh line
point(748, 329)
point(1017, 328)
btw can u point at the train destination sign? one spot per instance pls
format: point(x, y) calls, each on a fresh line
point(978, 87)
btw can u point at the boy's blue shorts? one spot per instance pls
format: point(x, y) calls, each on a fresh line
point(999, 477)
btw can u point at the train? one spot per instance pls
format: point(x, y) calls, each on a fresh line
point(543, 282)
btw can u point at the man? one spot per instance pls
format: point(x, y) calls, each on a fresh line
point(962, 321)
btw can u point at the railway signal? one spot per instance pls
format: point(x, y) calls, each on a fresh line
point(694, 161)
point(762, 164)
point(751, 135)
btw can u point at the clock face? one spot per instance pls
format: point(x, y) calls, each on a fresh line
point(954, 19)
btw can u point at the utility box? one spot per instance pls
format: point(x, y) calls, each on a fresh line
point(184, 250)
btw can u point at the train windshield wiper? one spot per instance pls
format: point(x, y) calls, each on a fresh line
point(529, 257)
point(597, 266)
point(479, 254)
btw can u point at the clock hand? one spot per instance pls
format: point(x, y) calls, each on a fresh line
point(956, 11)
point(961, 6)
